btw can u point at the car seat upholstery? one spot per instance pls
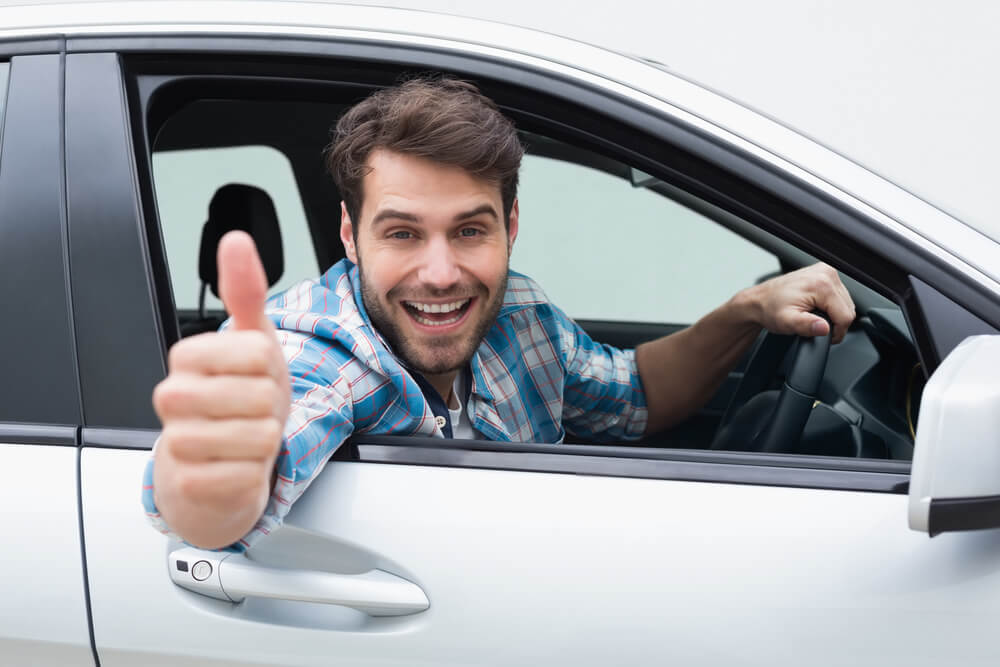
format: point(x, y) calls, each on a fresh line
point(235, 206)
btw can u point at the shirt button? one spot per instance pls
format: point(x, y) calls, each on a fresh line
point(441, 421)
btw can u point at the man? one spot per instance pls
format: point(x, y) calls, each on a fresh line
point(421, 330)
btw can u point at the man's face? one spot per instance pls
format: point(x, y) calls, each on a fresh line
point(432, 251)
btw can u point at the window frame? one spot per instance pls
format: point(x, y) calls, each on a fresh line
point(37, 350)
point(4, 83)
point(661, 146)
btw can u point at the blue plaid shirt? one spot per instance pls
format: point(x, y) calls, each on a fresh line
point(535, 373)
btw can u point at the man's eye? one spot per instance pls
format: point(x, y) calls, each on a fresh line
point(470, 232)
point(401, 235)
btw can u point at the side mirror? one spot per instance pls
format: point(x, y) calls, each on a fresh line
point(955, 478)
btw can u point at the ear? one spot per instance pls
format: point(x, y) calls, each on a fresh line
point(347, 234)
point(512, 228)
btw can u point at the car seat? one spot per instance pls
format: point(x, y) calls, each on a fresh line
point(235, 206)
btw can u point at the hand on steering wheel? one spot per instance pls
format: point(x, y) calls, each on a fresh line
point(759, 422)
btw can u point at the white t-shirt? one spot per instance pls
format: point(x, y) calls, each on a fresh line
point(461, 426)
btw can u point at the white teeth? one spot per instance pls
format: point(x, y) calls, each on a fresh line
point(436, 323)
point(437, 307)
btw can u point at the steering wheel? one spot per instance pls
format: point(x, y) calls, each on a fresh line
point(773, 421)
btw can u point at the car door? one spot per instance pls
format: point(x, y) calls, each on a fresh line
point(492, 553)
point(43, 609)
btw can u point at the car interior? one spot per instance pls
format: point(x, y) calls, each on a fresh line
point(860, 399)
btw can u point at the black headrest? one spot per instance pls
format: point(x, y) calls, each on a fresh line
point(238, 206)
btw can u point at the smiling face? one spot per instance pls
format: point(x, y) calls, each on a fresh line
point(432, 250)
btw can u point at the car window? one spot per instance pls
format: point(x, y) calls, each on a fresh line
point(630, 256)
point(186, 181)
point(637, 255)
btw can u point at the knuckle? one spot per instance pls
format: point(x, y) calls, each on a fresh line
point(278, 366)
point(158, 392)
point(259, 344)
point(256, 351)
point(184, 352)
point(177, 354)
point(184, 441)
point(270, 434)
point(261, 396)
point(167, 397)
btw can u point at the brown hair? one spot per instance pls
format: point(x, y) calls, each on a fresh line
point(437, 118)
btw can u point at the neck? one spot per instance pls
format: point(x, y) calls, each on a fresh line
point(443, 384)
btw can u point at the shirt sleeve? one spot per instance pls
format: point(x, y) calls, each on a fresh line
point(603, 397)
point(320, 420)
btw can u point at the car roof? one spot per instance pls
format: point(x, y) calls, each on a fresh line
point(645, 83)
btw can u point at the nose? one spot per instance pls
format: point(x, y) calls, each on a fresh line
point(439, 268)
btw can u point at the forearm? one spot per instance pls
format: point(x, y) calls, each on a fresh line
point(681, 372)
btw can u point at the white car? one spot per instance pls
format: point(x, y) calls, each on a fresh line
point(788, 522)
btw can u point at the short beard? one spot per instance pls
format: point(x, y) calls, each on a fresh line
point(439, 362)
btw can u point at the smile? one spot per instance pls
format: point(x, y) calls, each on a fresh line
point(437, 314)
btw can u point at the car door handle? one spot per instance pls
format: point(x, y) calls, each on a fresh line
point(233, 577)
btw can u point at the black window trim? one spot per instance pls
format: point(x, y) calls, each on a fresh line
point(4, 84)
point(40, 356)
point(12, 433)
point(781, 470)
point(33, 45)
point(634, 462)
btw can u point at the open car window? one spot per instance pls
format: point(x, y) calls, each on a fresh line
point(627, 254)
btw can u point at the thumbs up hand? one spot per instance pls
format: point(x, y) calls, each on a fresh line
point(223, 406)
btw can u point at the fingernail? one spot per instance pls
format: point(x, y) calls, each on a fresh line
point(818, 328)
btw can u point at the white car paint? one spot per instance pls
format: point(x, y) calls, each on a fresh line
point(43, 618)
point(675, 559)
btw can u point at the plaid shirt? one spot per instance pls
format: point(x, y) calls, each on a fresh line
point(535, 373)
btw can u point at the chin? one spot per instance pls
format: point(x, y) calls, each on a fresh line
point(435, 365)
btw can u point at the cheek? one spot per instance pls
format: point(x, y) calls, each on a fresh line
point(380, 276)
point(489, 268)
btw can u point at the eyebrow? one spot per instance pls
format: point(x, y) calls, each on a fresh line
point(479, 210)
point(393, 214)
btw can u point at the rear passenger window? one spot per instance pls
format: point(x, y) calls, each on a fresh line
point(186, 181)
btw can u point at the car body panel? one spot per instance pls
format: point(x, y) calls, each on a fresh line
point(43, 614)
point(771, 573)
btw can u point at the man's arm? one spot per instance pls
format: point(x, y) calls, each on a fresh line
point(681, 372)
point(223, 407)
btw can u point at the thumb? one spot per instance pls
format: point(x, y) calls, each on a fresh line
point(242, 281)
point(810, 324)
